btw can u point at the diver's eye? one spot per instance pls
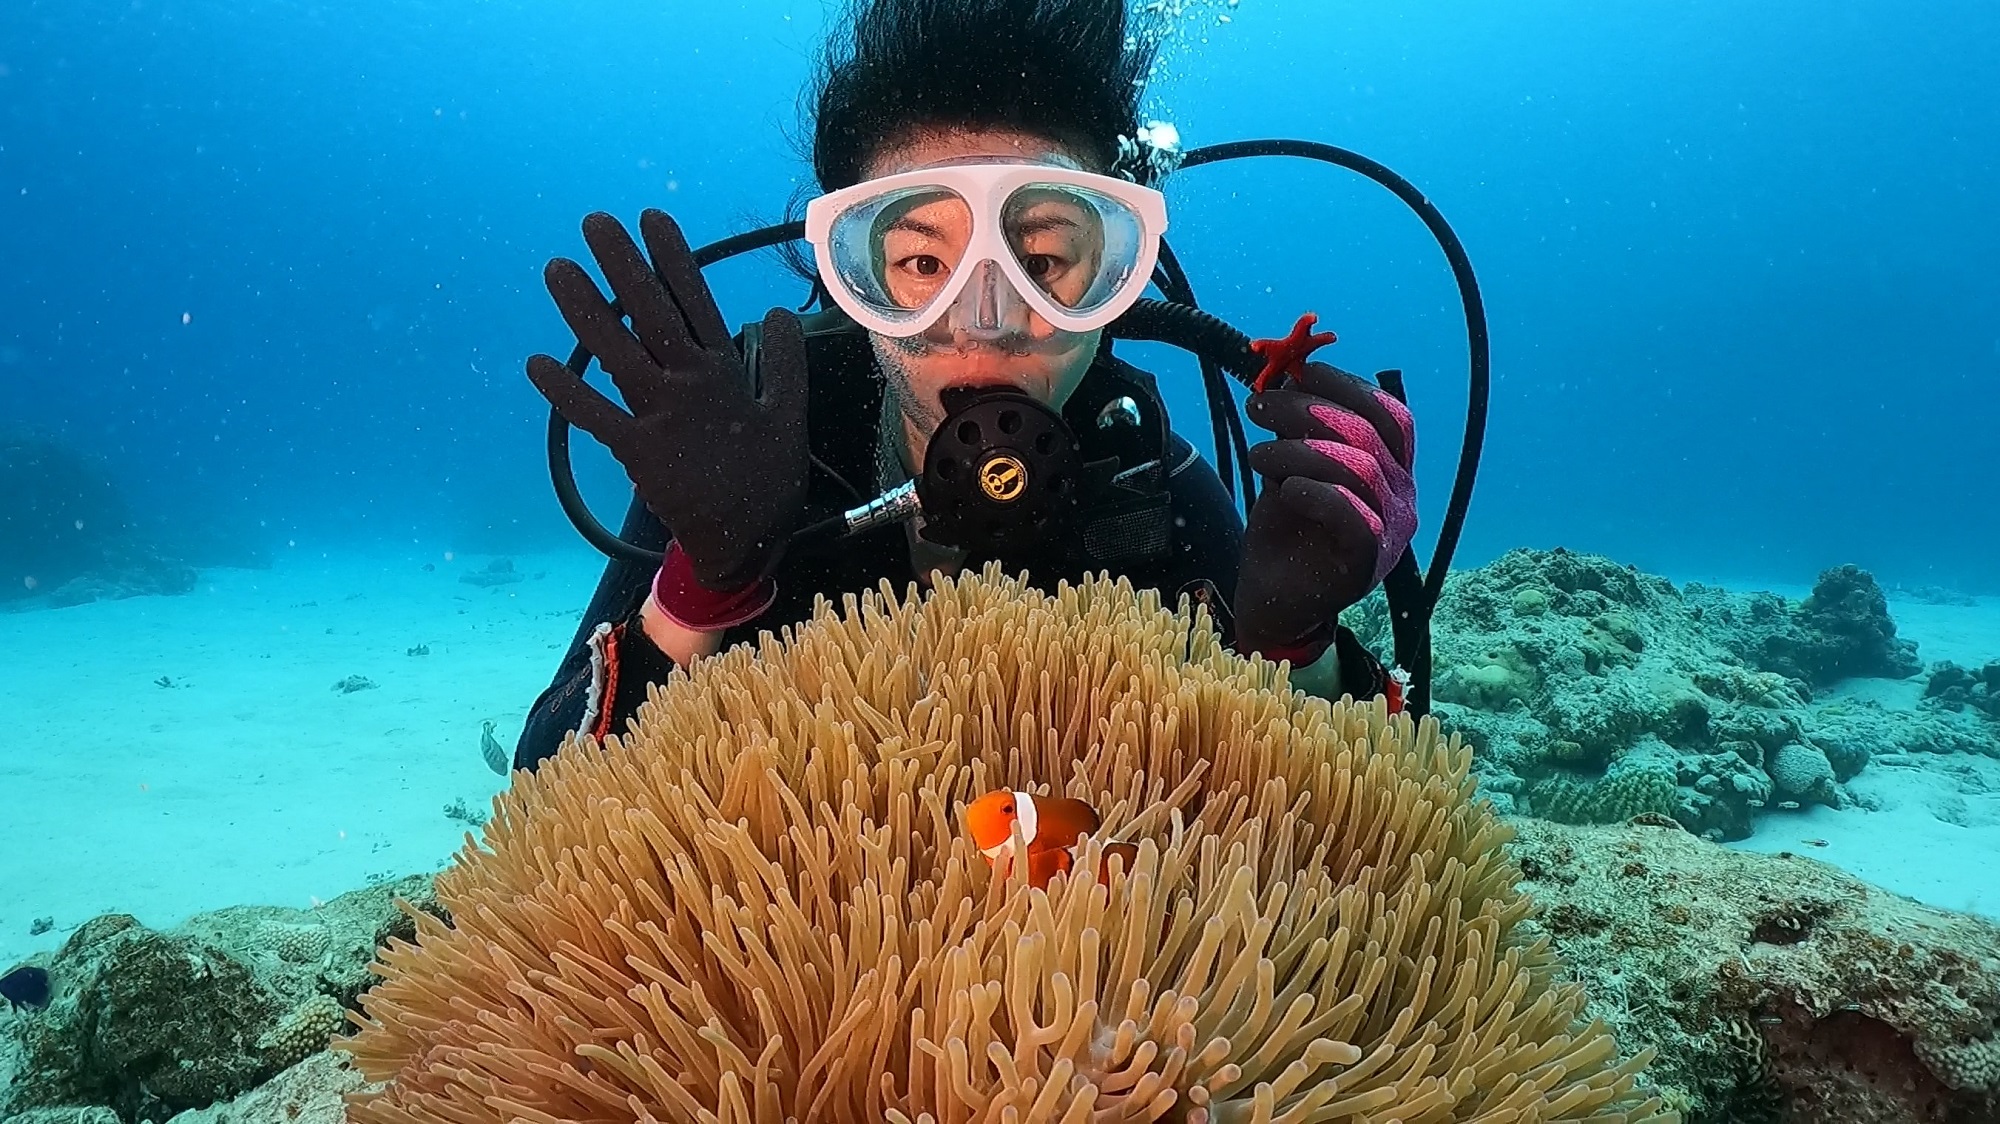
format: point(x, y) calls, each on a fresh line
point(924, 265)
point(1039, 265)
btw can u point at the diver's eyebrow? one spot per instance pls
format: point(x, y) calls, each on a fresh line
point(907, 222)
point(1037, 224)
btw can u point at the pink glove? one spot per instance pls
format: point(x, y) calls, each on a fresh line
point(1338, 509)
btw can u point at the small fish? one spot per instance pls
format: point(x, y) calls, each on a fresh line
point(497, 757)
point(25, 987)
point(1053, 827)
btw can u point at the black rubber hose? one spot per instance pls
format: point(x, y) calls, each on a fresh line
point(1477, 342)
point(1232, 448)
point(747, 241)
point(1194, 330)
point(1172, 281)
point(571, 499)
point(1409, 611)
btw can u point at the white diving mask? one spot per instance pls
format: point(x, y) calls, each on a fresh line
point(971, 248)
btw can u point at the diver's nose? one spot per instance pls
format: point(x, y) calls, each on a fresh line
point(986, 303)
point(989, 306)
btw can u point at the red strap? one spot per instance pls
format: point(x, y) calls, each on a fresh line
point(1392, 689)
point(613, 650)
point(1288, 356)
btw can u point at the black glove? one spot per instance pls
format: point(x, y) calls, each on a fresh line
point(1338, 509)
point(721, 463)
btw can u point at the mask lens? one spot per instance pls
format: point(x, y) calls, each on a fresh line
point(895, 252)
point(1081, 247)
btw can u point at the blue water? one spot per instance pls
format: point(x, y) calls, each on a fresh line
point(280, 263)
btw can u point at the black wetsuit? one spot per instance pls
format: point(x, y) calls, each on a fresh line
point(1173, 528)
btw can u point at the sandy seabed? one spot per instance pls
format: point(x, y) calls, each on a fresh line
point(162, 756)
point(253, 778)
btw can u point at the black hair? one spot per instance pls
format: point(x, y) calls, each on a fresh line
point(1072, 71)
point(1069, 70)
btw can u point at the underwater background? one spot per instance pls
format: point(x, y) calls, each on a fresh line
point(272, 271)
point(280, 264)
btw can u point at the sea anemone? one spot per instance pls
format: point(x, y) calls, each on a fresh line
point(760, 903)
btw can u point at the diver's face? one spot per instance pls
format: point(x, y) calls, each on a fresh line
point(1026, 352)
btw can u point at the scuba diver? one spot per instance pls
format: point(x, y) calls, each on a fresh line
point(986, 212)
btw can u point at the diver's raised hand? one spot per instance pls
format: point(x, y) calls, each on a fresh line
point(720, 462)
point(1339, 507)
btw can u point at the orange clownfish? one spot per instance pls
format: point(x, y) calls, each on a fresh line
point(1053, 827)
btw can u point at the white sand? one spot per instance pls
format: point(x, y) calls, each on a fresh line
point(1926, 825)
point(253, 781)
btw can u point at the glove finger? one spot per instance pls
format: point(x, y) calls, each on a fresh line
point(601, 332)
point(1283, 412)
point(577, 401)
point(1337, 507)
point(1350, 522)
point(656, 319)
point(1383, 412)
point(1327, 462)
point(1301, 415)
point(781, 365)
point(675, 264)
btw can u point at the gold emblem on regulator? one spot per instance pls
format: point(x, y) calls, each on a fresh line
point(1003, 477)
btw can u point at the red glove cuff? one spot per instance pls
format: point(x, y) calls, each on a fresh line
point(697, 608)
point(1303, 653)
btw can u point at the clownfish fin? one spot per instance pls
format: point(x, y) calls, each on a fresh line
point(1044, 865)
point(1129, 852)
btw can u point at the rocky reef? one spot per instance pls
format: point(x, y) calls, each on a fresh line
point(148, 1024)
point(1842, 630)
point(1595, 692)
point(1772, 987)
point(67, 536)
point(1957, 688)
point(1769, 987)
